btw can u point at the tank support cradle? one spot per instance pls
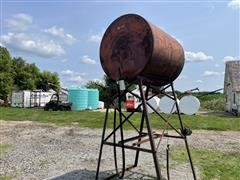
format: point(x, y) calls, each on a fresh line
point(110, 139)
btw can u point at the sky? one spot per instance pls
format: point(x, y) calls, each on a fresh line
point(64, 36)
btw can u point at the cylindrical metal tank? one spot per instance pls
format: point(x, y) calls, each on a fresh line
point(131, 47)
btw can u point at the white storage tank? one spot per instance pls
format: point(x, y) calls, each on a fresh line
point(167, 105)
point(100, 104)
point(154, 102)
point(189, 105)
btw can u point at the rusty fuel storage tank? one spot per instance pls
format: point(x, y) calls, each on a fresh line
point(131, 47)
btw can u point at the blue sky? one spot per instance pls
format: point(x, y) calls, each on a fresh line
point(64, 36)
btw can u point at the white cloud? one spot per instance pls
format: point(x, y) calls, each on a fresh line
point(19, 22)
point(197, 57)
point(60, 33)
point(199, 81)
point(211, 73)
point(73, 78)
point(44, 43)
point(77, 80)
point(87, 60)
point(97, 37)
point(230, 58)
point(33, 45)
point(234, 4)
point(67, 72)
point(2, 45)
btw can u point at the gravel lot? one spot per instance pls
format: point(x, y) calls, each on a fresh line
point(46, 151)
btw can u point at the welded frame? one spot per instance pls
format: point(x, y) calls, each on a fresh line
point(144, 97)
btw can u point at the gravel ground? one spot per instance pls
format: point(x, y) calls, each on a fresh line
point(46, 151)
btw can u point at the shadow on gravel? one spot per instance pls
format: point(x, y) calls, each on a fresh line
point(90, 175)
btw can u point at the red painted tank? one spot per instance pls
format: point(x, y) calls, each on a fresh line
point(133, 47)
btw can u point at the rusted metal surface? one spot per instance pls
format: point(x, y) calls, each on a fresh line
point(131, 46)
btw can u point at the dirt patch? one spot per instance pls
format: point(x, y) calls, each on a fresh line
point(46, 151)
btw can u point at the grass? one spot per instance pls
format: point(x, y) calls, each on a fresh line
point(95, 119)
point(3, 149)
point(5, 178)
point(212, 164)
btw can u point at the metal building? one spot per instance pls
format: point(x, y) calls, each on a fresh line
point(232, 86)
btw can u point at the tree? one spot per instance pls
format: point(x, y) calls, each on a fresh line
point(17, 74)
point(6, 83)
point(106, 88)
point(26, 75)
point(5, 60)
point(6, 79)
point(46, 79)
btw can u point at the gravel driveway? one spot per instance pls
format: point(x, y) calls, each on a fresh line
point(46, 151)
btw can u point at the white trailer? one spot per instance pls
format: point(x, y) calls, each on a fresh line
point(27, 98)
point(21, 99)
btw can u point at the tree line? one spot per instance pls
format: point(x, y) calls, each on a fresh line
point(16, 74)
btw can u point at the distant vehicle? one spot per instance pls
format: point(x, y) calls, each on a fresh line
point(133, 102)
point(56, 104)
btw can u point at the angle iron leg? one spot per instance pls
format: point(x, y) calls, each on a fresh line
point(114, 141)
point(121, 133)
point(152, 143)
point(182, 127)
point(140, 132)
point(102, 140)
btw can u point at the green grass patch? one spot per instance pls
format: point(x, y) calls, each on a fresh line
point(5, 178)
point(92, 119)
point(212, 164)
point(4, 148)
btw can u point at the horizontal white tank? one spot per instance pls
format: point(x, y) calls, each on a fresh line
point(100, 104)
point(154, 102)
point(189, 105)
point(167, 105)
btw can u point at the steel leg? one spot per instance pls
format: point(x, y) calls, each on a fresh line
point(152, 143)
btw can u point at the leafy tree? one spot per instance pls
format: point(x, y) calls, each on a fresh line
point(6, 82)
point(26, 75)
point(106, 88)
point(48, 80)
point(6, 79)
point(103, 87)
point(5, 60)
point(17, 74)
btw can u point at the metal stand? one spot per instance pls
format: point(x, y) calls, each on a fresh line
point(142, 137)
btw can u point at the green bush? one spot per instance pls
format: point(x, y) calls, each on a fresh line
point(214, 104)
